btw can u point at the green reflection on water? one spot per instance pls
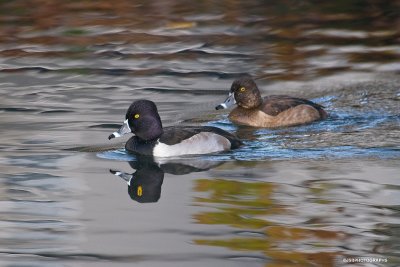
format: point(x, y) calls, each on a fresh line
point(239, 203)
point(75, 31)
point(246, 206)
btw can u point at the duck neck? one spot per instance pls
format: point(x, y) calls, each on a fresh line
point(150, 130)
point(258, 101)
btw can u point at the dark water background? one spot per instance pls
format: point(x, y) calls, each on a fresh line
point(302, 196)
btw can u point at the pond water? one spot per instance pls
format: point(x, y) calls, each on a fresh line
point(314, 195)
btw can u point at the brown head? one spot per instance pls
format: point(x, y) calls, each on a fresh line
point(244, 92)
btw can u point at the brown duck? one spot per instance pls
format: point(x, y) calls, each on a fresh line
point(271, 111)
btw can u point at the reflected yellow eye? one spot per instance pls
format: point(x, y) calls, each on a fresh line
point(136, 116)
point(242, 89)
point(139, 191)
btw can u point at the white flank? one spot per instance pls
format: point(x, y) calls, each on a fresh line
point(202, 143)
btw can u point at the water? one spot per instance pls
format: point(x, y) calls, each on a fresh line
point(313, 195)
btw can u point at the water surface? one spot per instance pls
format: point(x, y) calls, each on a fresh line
point(313, 195)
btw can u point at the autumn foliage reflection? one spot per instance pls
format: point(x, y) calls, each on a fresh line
point(247, 207)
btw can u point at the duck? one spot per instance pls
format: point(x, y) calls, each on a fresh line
point(152, 139)
point(270, 111)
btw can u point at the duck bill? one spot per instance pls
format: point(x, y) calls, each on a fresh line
point(122, 131)
point(123, 175)
point(230, 101)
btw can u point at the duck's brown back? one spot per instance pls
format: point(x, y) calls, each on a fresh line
point(279, 111)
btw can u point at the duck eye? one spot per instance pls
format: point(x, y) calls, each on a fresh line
point(139, 191)
point(242, 89)
point(136, 116)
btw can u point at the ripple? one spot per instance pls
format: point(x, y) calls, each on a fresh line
point(19, 109)
point(55, 111)
point(69, 71)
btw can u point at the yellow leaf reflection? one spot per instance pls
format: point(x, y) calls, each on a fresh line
point(181, 25)
point(240, 203)
point(248, 205)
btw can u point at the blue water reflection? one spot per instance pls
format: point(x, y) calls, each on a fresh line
point(299, 196)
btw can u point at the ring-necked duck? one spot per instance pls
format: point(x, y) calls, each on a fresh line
point(143, 120)
point(270, 111)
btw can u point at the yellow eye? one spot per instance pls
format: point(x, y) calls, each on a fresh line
point(136, 116)
point(139, 191)
point(242, 89)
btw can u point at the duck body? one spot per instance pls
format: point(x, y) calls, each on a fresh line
point(177, 141)
point(151, 139)
point(271, 111)
point(278, 111)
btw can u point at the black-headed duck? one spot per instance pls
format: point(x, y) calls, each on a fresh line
point(142, 119)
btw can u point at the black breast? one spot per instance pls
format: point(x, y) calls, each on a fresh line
point(138, 146)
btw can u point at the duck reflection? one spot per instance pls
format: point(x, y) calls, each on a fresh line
point(144, 185)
